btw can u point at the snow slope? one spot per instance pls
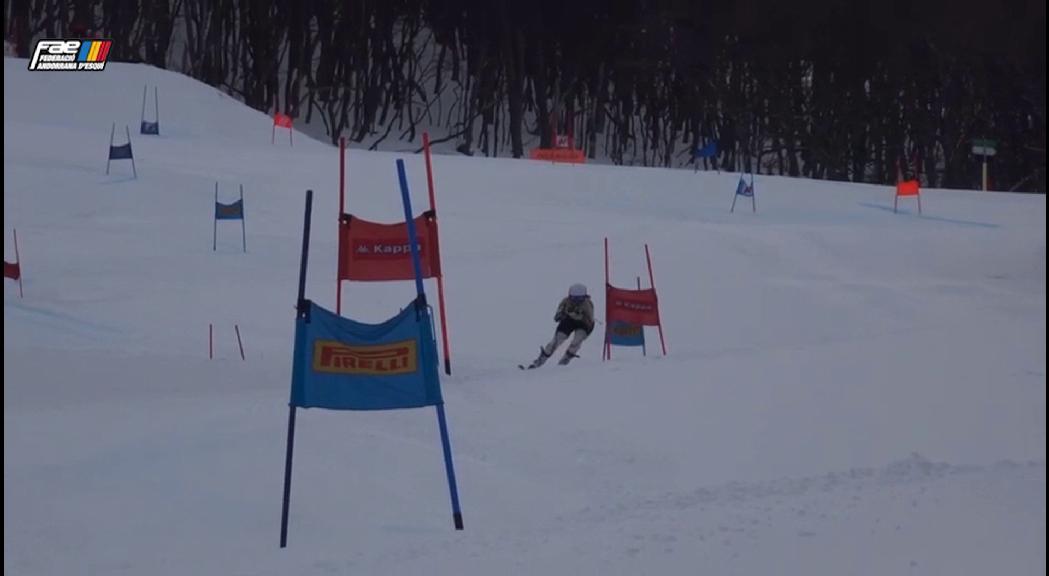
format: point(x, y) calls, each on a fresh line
point(847, 391)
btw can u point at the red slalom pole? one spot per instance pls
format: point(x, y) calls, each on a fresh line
point(429, 169)
point(440, 277)
point(652, 283)
point(608, 345)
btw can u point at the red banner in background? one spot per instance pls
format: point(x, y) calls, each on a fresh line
point(376, 252)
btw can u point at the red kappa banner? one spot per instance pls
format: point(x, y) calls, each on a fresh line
point(375, 252)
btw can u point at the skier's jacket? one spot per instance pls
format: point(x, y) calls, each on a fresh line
point(575, 315)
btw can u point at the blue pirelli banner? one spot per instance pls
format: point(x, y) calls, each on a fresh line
point(342, 364)
point(626, 334)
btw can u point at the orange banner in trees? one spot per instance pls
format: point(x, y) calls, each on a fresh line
point(568, 155)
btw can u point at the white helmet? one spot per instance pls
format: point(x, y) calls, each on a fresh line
point(577, 291)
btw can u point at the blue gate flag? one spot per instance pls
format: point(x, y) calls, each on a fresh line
point(710, 150)
point(626, 334)
point(234, 211)
point(342, 364)
point(122, 152)
point(147, 127)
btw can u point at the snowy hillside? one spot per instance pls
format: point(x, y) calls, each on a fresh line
point(847, 390)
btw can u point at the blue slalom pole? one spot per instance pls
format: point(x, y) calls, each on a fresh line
point(412, 239)
point(446, 444)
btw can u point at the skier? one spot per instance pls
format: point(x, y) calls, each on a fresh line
point(575, 318)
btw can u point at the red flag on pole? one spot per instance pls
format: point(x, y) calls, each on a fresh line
point(632, 306)
point(282, 120)
point(627, 306)
point(376, 252)
point(12, 270)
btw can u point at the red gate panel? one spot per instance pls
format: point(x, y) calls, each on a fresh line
point(375, 252)
point(632, 306)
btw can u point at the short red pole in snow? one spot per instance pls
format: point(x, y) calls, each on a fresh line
point(239, 343)
point(211, 342)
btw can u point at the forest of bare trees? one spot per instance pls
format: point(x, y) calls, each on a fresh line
point(814, 88)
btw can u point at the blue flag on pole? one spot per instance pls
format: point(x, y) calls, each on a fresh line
point(234, 211)
point(710, 150)
point(122, 152)
point(341, 364)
